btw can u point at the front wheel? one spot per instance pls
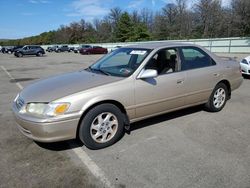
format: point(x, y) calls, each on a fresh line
point(102, 126)
point(19, 54)
point(218, 98)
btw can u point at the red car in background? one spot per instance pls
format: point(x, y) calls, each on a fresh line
point(94, 50)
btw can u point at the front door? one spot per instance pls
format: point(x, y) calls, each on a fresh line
point(166, 91)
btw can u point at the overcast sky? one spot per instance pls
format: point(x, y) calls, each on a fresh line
point(22, 18)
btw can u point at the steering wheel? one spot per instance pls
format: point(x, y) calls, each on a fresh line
point(125, 71)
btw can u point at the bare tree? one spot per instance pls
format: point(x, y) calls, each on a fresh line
point(114, 15)
point(182, 17)
point(147, 18)
point(135, 16)
point(241, 17)
point(209, 12)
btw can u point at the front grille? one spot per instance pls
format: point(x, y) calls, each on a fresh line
point(19, 103)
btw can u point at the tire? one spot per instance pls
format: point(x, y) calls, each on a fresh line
point(39, 54)
point(94, 123)
point(218, 98)
point(19, 54)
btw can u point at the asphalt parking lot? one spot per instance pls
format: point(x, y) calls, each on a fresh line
point(187, 148)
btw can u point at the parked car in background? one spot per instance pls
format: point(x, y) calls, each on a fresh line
point(8, 49)
point(71, 49)
point(245, 66)
point(52, 48)
point(94, 50)
point(115, 48)
point(3, 49)
point(29, 50)
point(49, 49)
point(62, 48)
point(83, 46)
point(130, 84)
point(76, 49)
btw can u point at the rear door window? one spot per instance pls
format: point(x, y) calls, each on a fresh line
point(193, 58)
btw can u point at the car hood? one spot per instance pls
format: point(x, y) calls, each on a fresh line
point(17, 49)
point(63, 85)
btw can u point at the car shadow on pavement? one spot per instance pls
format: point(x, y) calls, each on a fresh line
point(165, 117)
point(61, 146)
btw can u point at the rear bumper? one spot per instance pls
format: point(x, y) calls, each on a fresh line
point(48, 132)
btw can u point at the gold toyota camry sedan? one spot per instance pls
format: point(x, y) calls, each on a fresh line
point(130, 84)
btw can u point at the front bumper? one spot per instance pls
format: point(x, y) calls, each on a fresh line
point(47, 131)
point(246, 72)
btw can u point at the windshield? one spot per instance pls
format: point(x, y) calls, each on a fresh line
point(121, 62)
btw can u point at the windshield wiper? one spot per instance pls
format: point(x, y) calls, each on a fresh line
point(99, 70)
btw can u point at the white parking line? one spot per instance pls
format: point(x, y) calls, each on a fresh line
point(11, 77)
point(92, 166)
point(80, 153)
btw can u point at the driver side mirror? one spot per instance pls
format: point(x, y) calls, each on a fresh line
point(148, 73)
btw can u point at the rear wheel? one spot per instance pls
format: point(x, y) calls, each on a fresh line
point(218, 98)
point(39, 54)
point(102, 126)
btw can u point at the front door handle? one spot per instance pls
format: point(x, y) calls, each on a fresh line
point(216, 74)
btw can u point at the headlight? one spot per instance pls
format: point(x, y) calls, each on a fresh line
point(44, 109)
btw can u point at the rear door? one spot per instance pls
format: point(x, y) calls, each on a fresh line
point(26, 50)
point(98, 50)
point(166, 91)
point(202, 74)
point(33, 50)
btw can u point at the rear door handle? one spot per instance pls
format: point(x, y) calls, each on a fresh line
point(180, 81)
point(216, 74)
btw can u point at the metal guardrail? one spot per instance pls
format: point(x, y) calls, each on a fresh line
point(218, 45)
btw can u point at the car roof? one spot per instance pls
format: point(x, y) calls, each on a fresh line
point(154, 45)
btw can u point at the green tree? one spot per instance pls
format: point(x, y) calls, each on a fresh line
point(125, 29)
point(140, 32)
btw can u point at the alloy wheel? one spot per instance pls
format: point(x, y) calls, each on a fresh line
point(104, 127)
point(219, 98)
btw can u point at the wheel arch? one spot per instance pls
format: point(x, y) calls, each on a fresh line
point(228, 85)
point(114, 102)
